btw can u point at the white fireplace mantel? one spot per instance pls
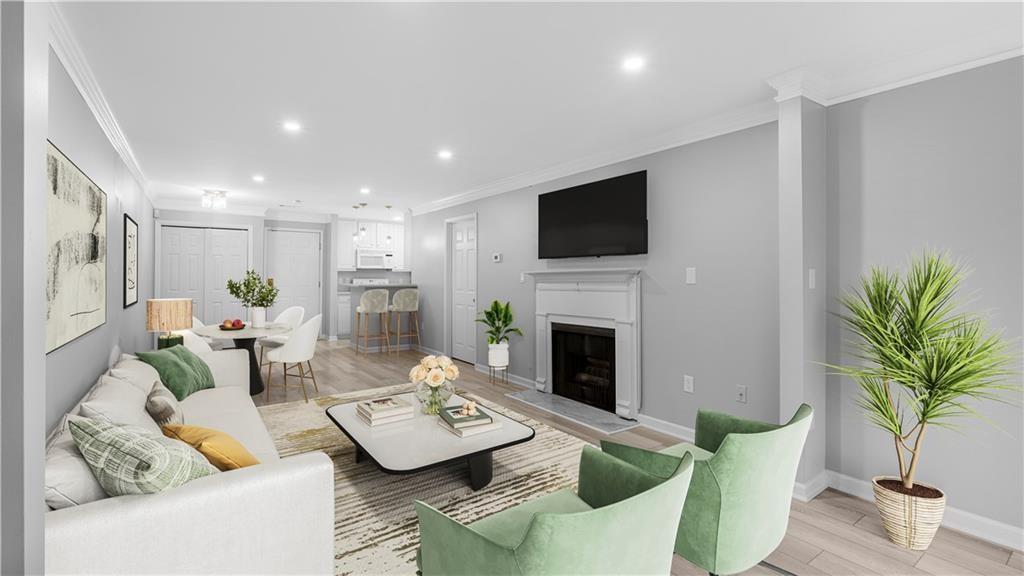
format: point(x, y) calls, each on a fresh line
point(599, 297)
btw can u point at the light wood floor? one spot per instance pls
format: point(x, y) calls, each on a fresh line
point(835, 534)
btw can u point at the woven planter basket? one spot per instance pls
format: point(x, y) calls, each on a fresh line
point(910, 521)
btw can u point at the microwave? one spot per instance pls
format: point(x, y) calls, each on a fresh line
point(374, 258)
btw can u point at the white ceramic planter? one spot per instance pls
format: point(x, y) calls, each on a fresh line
point(258, 317)
point(497, 355)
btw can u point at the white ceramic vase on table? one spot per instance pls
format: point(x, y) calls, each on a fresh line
point(258, 317)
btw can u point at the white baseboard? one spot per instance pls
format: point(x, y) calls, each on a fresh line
point(954, 518)
point(426, 350)
point(682, 432)
point(381, 348)
point(806, 491)
point(512, 378)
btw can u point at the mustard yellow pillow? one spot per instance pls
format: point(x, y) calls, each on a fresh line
point(220, 449)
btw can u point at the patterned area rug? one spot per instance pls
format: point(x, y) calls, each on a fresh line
point(375, 527)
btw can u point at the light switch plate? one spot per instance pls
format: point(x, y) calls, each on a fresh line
point(687, 383)
point(496, 257)
point(811, 278)
point(691, 275)
point(741, 394)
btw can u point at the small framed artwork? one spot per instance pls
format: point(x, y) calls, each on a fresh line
point(131, 261)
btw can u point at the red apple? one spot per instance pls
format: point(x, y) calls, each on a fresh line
point(237, 323)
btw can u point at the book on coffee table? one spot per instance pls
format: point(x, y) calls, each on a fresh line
point(384, 410)
point(453, 418)
point(470, 430)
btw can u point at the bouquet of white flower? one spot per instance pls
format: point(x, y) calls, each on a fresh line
point(434, 375)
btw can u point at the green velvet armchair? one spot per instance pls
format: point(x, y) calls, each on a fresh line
point(737, 509)
point(622, 521)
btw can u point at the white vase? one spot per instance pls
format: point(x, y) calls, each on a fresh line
point(258, 317)
point(497, 355)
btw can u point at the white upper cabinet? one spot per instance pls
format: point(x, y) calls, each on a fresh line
point(346, 244)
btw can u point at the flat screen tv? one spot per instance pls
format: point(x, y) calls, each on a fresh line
point(603, 218)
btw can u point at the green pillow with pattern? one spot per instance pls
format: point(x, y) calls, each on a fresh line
point(181, 371)
point(127, 460)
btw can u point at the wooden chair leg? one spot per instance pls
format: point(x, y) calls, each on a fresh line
point(313, 376)
point(302, 382)
point(355, 341)
point(270, 368)
point(416, 314)
point(366, 335)
point(398, 322)
point(386, 333)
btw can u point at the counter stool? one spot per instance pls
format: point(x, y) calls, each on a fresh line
point(406, 300)
point(373, 302)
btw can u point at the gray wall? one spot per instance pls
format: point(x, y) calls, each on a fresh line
point(73, 368)
point(936, 164)
point(712, 205)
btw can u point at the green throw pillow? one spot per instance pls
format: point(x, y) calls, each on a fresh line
point(127, 460)
point(180, 376)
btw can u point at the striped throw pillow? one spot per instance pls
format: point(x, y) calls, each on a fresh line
point(127, 460)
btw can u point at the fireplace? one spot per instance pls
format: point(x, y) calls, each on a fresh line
point(583, 364)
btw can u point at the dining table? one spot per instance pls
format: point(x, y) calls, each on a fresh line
point(245, 339)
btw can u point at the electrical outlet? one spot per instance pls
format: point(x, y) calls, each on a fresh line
point(741, 394)
point(691, 275)
point(687, 383)
point(496, 257)
point(812, 280)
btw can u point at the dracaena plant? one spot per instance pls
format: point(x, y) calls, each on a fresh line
point(498, 319)
point(253, 291)
point(924, 361)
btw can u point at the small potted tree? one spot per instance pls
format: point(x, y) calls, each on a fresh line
point(498, 319)
point(255, 294)
point(924, 362)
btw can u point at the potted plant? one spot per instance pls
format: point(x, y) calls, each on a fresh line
point(255, 294)
point(498, 319)
point(924, 360)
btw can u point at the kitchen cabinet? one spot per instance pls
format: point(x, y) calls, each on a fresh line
point(344, 315)
point(388, 236)
point(346, 244)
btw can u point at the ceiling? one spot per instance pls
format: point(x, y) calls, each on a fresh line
point(201, 89)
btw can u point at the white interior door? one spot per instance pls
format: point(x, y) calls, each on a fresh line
point(293, 261)
point(227, 256)
point(463, 246)
point(182, 265)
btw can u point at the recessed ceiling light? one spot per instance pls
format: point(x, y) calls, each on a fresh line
point(445, 154)
point(398, 218)
point(291, 126)
point(364, 191)
point(634, 63)
point(258, 178)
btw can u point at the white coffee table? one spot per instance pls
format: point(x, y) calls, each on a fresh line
point(420, 443)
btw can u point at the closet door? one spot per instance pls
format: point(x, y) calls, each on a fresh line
point(227, 256)
point(182, 265)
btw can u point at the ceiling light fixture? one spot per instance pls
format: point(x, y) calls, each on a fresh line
point(398, 218)
point(364, 191)
point(216, 199)
point(258, 178)
point(445, 154)
point(291, 126)
point(634, 63)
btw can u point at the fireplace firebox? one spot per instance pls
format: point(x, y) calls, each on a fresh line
point(583, 364)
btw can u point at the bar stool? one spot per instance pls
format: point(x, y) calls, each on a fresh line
point(406, 300)
point(373, 302)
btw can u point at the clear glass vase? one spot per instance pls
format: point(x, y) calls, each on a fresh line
point(432, 399)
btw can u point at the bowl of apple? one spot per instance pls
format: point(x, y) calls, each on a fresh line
point(229, 324)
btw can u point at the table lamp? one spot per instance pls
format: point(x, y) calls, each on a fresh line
point(167, 314)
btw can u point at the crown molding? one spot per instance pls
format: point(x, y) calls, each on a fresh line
point(761, 113)
point(799, 82)
point(71, 56)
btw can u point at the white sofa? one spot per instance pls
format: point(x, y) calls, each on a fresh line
point(273, 518)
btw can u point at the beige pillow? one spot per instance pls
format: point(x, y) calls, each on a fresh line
point(68, 479)
point(142, 375)
point(163, 407)
point(119, 402)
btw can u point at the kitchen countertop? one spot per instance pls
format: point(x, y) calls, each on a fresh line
point(351, 285)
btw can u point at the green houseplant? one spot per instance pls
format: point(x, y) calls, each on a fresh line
point(498, 319)
point(255, 294)
point(923, 361)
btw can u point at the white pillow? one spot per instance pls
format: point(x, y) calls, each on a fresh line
point(142, 375)
point(69, 480)
point(119, 401)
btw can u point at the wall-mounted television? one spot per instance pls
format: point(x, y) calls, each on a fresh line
point(603, 218)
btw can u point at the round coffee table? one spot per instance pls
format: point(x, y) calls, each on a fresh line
point(245, 339)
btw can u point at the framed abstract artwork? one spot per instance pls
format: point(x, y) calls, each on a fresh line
point(76, 258)
point(131, 261)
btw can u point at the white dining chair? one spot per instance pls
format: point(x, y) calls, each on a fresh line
point(213, 344)
point(290, 317)
point(298, 350)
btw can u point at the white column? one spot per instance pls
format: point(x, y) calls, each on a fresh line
point(24, 69)
point(802, 249)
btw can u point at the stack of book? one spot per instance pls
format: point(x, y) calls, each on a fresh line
point(384, 410)
point(454, 420)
